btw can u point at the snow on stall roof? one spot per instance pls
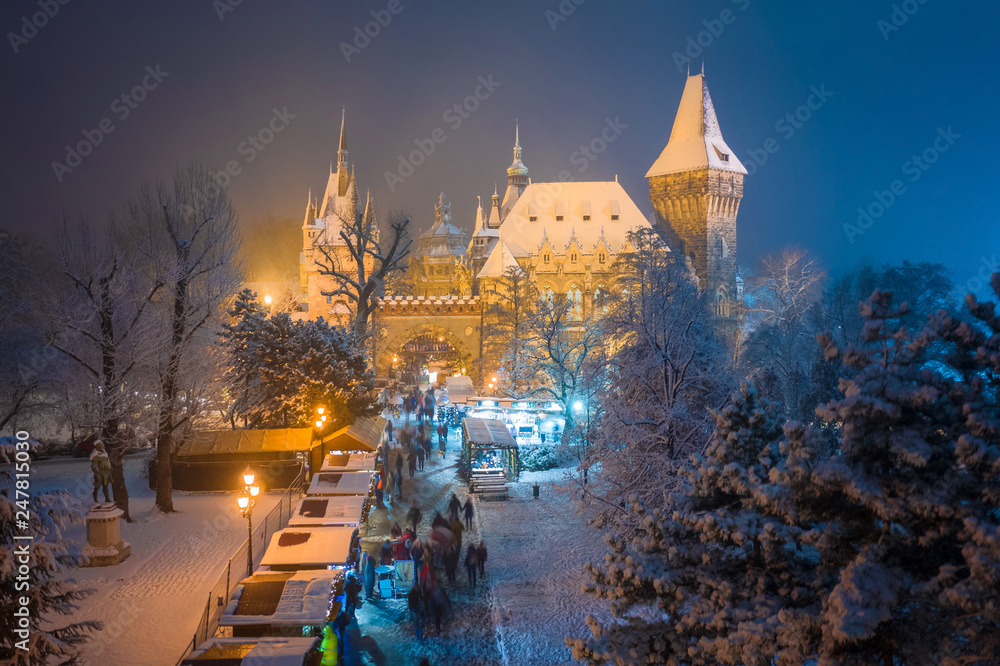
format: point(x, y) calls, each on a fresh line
point(349, 462)
point(489, 432)
point(364, 434)
point(333, 510)
point(269, 651)
point(340, 483)
point(304, 599)
point(223, 442)
point(305, 547)
point(696, 139)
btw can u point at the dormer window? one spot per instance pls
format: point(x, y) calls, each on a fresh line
point(572, 257)
point(545, 258)
point(532, 218)
point(722, 156)
point(601, 257)
point(559, 218)
point(614, 217)
point(615, 211)
point(586, 217)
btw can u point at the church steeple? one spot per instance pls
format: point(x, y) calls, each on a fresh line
point(517, 176)
point(342, 175)
point(494, 221)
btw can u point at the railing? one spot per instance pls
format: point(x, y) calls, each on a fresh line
point(236, 568)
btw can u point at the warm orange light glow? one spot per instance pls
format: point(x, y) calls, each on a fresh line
point(248, 477)
point(267, 299)
point(254, 491)
point(243, 501)
point(319, 424)
point(323, 418)
point(320, 410)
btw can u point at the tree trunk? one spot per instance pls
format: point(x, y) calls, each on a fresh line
point(116, 454)
point(164, 476)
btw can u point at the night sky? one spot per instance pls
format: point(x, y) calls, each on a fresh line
point(894, 93)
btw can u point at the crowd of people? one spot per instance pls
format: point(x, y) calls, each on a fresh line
point(438, 549)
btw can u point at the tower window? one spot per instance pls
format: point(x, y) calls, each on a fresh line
point(572, 257)
point(586, 217)
point(601, 257)
point(614, 217)
point(559, 218)
point(724, 157)
point(329, 298)
point(533, 218)
point(545, 258)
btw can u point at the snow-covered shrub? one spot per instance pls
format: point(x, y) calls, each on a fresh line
point(536, 458)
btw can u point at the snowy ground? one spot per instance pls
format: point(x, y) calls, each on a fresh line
point(532, 596)
point(529, 601)
point(151, 603)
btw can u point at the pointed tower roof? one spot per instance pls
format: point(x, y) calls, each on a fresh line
point(368, 220)
point(480, 222)
point(517, 167)
point(342, 147)
point(494, 221)
point(347, 205)
point(696, 140)
point(500, 259)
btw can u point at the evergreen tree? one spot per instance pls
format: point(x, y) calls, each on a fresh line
point(46, 641)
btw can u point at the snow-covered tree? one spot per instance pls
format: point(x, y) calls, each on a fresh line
point(48, 640)
point(667, 369)
point(280, 370)
point(707, 581)
point(507, 339)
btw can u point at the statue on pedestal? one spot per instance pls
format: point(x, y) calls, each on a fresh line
point(100, 465)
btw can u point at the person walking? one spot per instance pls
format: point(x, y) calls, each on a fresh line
point(353, 589)
point(472, 564)
point(453, 506)
point(481, 553)
point(451, 555)
point(413, 517)
point(468, 513)
point(368, 570)
point(420, 458)
point(411, 460)
point(456, 533)
point(417, 555)
point(418, 608)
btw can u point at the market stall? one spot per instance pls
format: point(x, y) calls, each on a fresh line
point(283, 603)
point(299, 548)
point(349, 510)
point(340, 483)
point(349, 462)
point(490, 455)
point(255, 651)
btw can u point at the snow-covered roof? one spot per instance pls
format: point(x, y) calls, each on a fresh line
point(224, 442)
point(536, 217)
point(365, 434)
point(696, 140)
point(340, 483)
point(500, 259)
point(333, 510)
point(338, 461)
point(488, 432)
point(269, 651)
point(309, 548)
point(283, 599)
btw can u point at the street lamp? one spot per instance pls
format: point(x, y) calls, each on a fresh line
point(246, 502)
point(267, 299)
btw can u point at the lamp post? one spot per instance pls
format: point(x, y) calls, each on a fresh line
point(246, 502)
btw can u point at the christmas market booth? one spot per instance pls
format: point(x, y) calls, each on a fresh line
point(364, 435)
point(284, 603)
point(340, 483)
point(343, 510)
point(338, 461)
point(302, 548)
point(215, 459)
point(490, 455)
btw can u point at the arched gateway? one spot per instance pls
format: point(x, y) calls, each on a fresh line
point(426, 325)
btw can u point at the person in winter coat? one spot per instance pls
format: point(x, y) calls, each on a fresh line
point(395, 531)
point(468, 513)
point(417, 554)
point(420, 458)
point(454, 504)
point(439, 521)
point(437, 604)
point(100, 465)
point(456, 533)
point(413, 517)
point(353, 590)
point(451, 555)
point(411, 460)
point(418, 608)
point(471, 564)
point(481, 553)
point(385, 555)
point(368, 569)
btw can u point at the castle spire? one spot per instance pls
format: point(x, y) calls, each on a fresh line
point(494, 220)
point(342, 149)
point(517, 175)
point(480, 222)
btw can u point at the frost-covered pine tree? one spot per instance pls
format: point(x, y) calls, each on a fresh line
point(48, 641)
point(708, 583)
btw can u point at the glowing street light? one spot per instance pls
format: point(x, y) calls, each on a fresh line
point(246, 502)
point(319, 424)
point(267, 299)
point(320, 410)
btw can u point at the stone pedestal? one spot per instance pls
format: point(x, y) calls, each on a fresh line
point(104, 537)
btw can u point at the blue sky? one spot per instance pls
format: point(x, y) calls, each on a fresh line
point(896, 87)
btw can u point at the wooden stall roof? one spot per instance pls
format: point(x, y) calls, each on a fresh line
point(305, 547)
point(328, 510)
point(365, 434)
point(268, 651)
point(294, 599)
point(349, 462)
point(340, 483)
point(224, 442)
point(488, 432)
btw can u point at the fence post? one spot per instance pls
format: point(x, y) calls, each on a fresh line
point(229, 566)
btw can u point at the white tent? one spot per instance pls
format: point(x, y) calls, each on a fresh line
point(295, 548)
point(349, 462)
point(329, 510)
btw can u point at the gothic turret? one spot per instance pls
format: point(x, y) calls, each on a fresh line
point(696, 186)
point(517, 177)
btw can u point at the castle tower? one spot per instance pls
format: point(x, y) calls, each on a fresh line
point(517, 177)
point(696, 186)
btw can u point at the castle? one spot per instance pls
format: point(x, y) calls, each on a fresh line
point(564, 235)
